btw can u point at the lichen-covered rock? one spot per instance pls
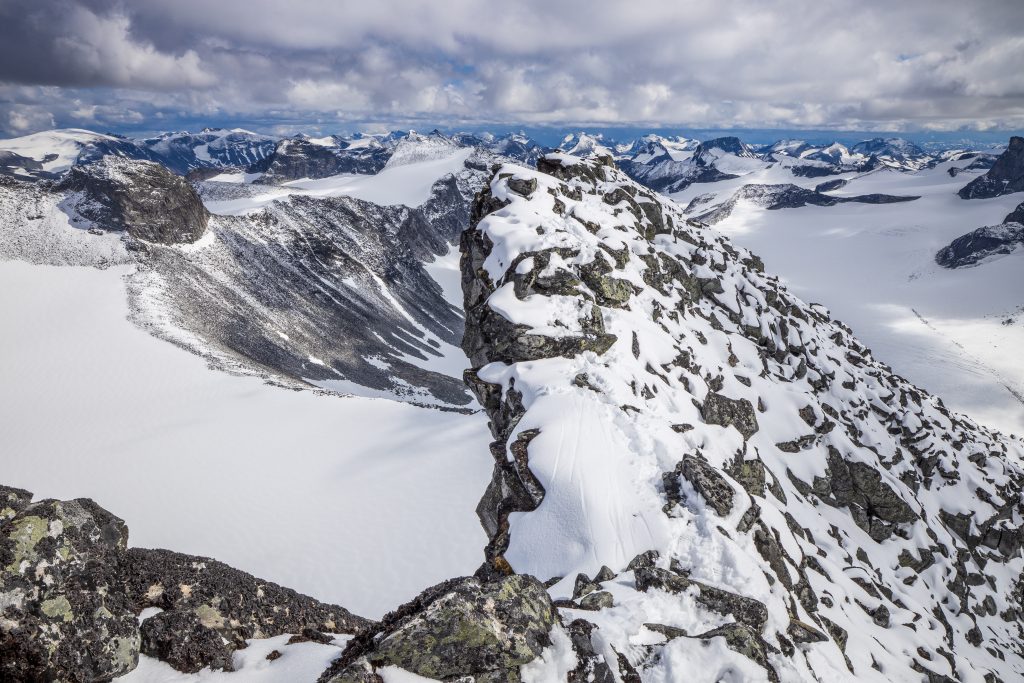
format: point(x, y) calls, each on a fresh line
point(63, 614)
point(183, 640)
point(71, 591)
point(461, 628)
point(235, 604)
point(141, 197)
point(12, 501)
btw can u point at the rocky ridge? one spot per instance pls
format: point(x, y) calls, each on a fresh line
point(1005, 176)
point(983, 243)
point(716, 476)
point(783, 196)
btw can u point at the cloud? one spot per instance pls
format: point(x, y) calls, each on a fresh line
point(928, 64)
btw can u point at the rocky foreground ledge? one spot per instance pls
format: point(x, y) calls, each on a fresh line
point(72, 592)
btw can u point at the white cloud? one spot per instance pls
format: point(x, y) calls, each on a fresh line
point(795, 63)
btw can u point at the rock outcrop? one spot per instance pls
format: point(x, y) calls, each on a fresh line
point(789, 196)
point(462, 629)
point(71, 592)
point(728, 477)
point(303, 157)
point(984, 243)
point(1005, 176)
point(142, 198)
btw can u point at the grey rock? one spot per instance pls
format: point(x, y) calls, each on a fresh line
point(745, 610)
point(724, 411)
point(974, 247)
point(462, 627)
point(140, 197)
point(1005, 176)
point(597, 600)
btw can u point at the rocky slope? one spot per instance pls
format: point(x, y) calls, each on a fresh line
point(721, 482)
point(331, 292)
point(1005, 176)
point(985, 242)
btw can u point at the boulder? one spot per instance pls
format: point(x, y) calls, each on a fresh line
point(234, 604)
point(460, 628)
point(70, 593)
point(63, 614)
point(738, 413)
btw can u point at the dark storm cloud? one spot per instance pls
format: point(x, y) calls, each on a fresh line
point(916, 64)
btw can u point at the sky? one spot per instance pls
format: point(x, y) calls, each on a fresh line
point(346, 66)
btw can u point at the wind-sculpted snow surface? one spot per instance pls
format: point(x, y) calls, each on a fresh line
point(722, 482)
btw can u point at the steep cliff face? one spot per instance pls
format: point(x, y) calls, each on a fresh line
point(718, 479)
point(1005, 176)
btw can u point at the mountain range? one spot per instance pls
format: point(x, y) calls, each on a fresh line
point(694, 473)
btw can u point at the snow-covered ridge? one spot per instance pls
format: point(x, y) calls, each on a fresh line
point(739, 482)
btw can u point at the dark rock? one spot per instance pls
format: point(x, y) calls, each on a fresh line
point(802, 632)
point(524, 187)
point(745, 640)
point(745, 610)
point(142, 198)
point(830, 185)
point(972, 248)
point(738, 413)
point(64, 615)
point(1005, 176)
point(591, 667)
point(184, 641)
point(237, 605)
point(462, 627)
point(711, 485)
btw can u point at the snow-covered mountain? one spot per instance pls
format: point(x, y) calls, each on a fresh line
point(722, 482)
point(52, 153)
point(1004, 176)
point(307, 287)
point(211, 148)
point(696, 474)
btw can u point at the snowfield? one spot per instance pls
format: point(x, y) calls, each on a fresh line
point(407, 183)
point(355, 501)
